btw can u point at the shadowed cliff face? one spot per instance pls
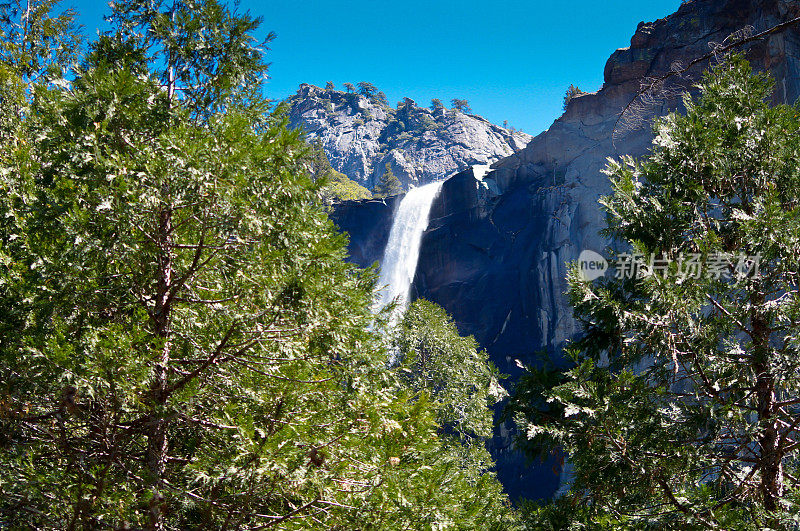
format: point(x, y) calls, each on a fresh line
point(496, 252)
point(368, 223)
point(503, 243)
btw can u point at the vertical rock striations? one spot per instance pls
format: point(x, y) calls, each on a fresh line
point(497, 249)
point(512, 233)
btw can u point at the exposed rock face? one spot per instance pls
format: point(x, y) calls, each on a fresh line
point(361, 135)
point(368, 223)
point(520, 226)
point(496, 251)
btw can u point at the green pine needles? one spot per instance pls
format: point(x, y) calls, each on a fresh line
point(681, 409)
point(183, 344)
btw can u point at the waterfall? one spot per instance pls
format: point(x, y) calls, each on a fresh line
point(399, 263)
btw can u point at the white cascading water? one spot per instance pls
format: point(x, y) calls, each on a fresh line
point(399, 263)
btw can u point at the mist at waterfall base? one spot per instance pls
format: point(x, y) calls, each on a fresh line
point(399, 262)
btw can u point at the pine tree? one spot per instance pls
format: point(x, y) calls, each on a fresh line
point(36, 41)
point(367, 89)
point(183, 344)
point(681, 410)
point(171, 296)
point(458, 378)
point(448, 371)
point(572, 91)
point(203, 53)
point(380, 98)
point(388, 184)
point(461, 105)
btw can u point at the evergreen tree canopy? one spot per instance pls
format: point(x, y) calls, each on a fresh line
point(37, 41)
point(204, 54)
point(461, 105)
point(572, 91)
point(681, 410)
point(388, 184)
point(182, 342)
point(336, 186)
point(367, 89)
point(461, 385)
point(380, 97)
point(458, 378)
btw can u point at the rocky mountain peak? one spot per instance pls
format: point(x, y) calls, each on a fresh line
point(362, 134)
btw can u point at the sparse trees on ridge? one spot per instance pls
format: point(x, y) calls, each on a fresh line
point(461, 105)
point(572, 91)
point(367, 89)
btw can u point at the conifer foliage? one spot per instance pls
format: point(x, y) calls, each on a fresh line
point(37, 41)
point(681, 410)
point(388, 184)
point(183, 344)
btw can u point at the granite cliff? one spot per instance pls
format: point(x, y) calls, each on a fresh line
point(361, 135)
point(496, 252)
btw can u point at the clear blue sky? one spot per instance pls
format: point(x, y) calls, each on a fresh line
point(512, 59)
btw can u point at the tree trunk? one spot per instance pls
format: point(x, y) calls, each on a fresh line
point(157, 433)
point(770, 459)
point(157, 443)
point(769, 453)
